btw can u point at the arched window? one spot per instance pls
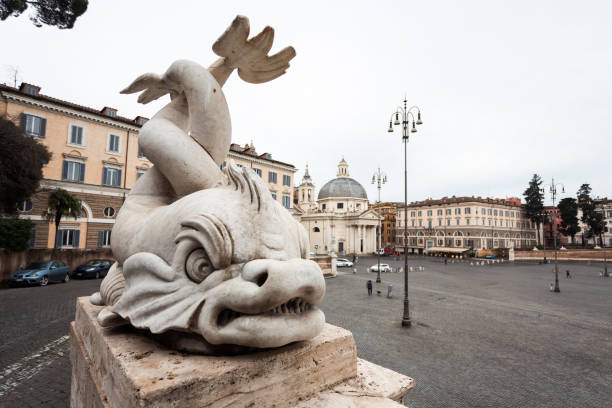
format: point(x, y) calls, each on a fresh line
point(25, 206)
point(316, 229)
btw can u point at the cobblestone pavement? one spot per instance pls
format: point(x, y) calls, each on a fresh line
point(487, 336)
point(34, 349)
point(484, 336)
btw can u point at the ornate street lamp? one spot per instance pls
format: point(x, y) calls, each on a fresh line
point(553, 192)
point(380, 178)
point(401, 117)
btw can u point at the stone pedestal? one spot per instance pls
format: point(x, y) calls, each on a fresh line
point(124, 368)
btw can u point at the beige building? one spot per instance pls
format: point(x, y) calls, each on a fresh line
point(95, 156)
point(464, 223)
point(340, 221)
point(277, 175)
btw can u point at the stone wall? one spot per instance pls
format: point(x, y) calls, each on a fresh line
point(11, 261)
point(327, 263)
point(568, 254)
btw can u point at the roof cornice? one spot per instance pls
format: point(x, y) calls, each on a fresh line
point(265, 162)
point(55, 107)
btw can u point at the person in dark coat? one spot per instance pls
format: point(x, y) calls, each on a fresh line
point(369, 285)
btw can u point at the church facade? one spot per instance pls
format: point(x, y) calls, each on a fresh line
point(339, 221)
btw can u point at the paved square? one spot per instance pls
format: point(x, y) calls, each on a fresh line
point(487, 336)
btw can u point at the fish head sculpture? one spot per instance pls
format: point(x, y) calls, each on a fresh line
point(206, 258)
point(236, 271)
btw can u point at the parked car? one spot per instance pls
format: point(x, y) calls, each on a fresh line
point(341, 262)
point(94, 268)
point(383, 268)
point(489, 256)
point(41, 273)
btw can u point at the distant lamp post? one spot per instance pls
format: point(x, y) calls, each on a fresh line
point(379, 178)
point(553, 192)
point(401, 117)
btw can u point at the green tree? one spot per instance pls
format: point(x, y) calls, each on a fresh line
point(21, 161)
point(59, 13)
point(597, 225)
point(15, 234)
point(534, 203)
point(62, 204)
point(568, 207)
point(587, 206)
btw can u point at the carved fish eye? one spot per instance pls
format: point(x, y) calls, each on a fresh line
point(198, 266)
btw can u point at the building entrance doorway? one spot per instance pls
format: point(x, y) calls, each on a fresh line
point(341, 247)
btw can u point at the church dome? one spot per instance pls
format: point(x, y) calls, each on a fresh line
point(342, 187)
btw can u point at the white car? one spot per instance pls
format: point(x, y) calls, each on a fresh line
point(340, 262)
point(383, 268)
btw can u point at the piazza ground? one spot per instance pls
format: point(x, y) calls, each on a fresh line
point(487, 336)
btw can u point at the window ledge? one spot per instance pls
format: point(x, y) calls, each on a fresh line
point(74, 156)
point(112, 163)
point(78, 146)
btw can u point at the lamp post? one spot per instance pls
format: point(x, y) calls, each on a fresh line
point(404, 113)
point(553, 192)
point(379, 178)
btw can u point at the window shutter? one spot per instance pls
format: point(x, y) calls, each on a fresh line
point(104, 176)
point(33, 238)
point(82, 172)
point(119, 178)
point(64, 170)
point(100, 238)
point(22, 121)
point(77, 234)
point(58, 238)
point(43, 127)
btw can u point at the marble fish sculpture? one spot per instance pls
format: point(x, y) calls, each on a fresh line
point(206, 259)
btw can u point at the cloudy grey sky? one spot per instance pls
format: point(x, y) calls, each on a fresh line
point(507, 89)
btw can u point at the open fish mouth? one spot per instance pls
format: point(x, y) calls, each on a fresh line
point(294, 306)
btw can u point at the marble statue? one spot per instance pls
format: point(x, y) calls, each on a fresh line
point(207, 261)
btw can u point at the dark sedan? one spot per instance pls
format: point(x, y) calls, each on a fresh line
point(94, 268)
point(41, 273)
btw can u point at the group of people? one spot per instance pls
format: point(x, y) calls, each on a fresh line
point(370, 286)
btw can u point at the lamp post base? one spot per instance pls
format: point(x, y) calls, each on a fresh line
point(406, 322)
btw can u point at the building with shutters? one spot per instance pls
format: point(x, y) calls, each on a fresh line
point(454, 224)
point(96, 157)
point(277, 175)
point(386, 235)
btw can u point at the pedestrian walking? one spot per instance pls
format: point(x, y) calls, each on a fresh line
point(369, 285)
point(567, 274)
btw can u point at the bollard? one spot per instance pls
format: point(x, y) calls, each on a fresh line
point(354, 270)
point(389, 289)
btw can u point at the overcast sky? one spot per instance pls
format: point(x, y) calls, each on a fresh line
point(506, 89)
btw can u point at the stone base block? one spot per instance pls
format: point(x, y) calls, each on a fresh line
point(123, 367)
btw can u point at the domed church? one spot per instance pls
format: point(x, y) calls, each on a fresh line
point(340, 220)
